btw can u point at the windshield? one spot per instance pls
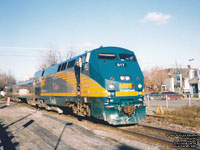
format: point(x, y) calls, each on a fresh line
point(127, 57)
point(107, 56)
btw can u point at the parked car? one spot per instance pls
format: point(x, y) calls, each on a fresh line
point(171, 95)
point(154, 95)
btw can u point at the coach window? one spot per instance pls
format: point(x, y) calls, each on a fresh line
point(107, 56)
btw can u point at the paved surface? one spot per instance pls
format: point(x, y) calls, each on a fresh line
point(23, 128)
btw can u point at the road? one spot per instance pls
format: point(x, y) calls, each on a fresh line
point(25, 128)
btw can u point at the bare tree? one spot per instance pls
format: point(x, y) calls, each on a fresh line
point(51, 57)
point(147, 81)
point(155, 78)
point(70, 53)
point(6, 79)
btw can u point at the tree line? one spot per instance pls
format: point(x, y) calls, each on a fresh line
point(50, 58)
point(6, 79)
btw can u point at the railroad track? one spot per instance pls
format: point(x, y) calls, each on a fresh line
point(169, 138)
point(174, 117)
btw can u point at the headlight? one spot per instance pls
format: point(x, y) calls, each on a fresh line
point(139, 86)
point(122, 78)
point(111, 86)
point(127, 78)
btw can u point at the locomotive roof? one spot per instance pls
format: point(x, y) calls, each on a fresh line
point(24, 83)
point(53, 69)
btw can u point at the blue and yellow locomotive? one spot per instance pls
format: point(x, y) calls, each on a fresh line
point(111, 86)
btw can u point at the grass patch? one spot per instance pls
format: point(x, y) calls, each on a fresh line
point(186, 116)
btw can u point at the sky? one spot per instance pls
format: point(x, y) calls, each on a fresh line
point(161, 33)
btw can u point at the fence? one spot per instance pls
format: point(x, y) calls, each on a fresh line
point(171, 101)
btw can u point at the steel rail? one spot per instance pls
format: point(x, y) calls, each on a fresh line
point(169, 134)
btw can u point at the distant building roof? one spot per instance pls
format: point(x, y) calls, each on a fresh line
point(184, 72)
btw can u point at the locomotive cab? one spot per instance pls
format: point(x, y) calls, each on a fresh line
point(118, 71)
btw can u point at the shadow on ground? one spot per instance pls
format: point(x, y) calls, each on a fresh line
point(5, 139)
point(59, 139)
point(4, 106)
point(125, 147)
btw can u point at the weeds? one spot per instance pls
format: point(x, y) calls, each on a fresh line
point(186, 116)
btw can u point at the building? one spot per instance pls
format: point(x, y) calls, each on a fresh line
point(184, 80)
point(194, 82)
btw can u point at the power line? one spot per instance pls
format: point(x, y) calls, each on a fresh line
point(19, 55)
point(30, 48)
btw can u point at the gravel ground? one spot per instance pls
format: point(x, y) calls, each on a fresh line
point(156, 122)
point(24, 128)
point(173, 105)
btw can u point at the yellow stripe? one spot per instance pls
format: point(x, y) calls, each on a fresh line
point(94, 84)
point(61, 75)
point(93, 89)
point(23, 94)
point(64, 94)
point(74, 94)
point(86, 86)
point(72, 82)
point(84, 78)
point(87, 81)
point(90, 85)
point(71, 79)
point(94, 94)
point(58, 94)
point(45, 94)
point(64, 75)
point(131, 93)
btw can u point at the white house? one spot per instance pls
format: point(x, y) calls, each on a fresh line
point(190, 83)
point(194, 82)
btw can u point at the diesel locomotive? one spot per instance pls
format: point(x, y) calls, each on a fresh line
point(111, 87)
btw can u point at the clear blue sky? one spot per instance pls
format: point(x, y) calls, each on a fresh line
point(161, 33)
